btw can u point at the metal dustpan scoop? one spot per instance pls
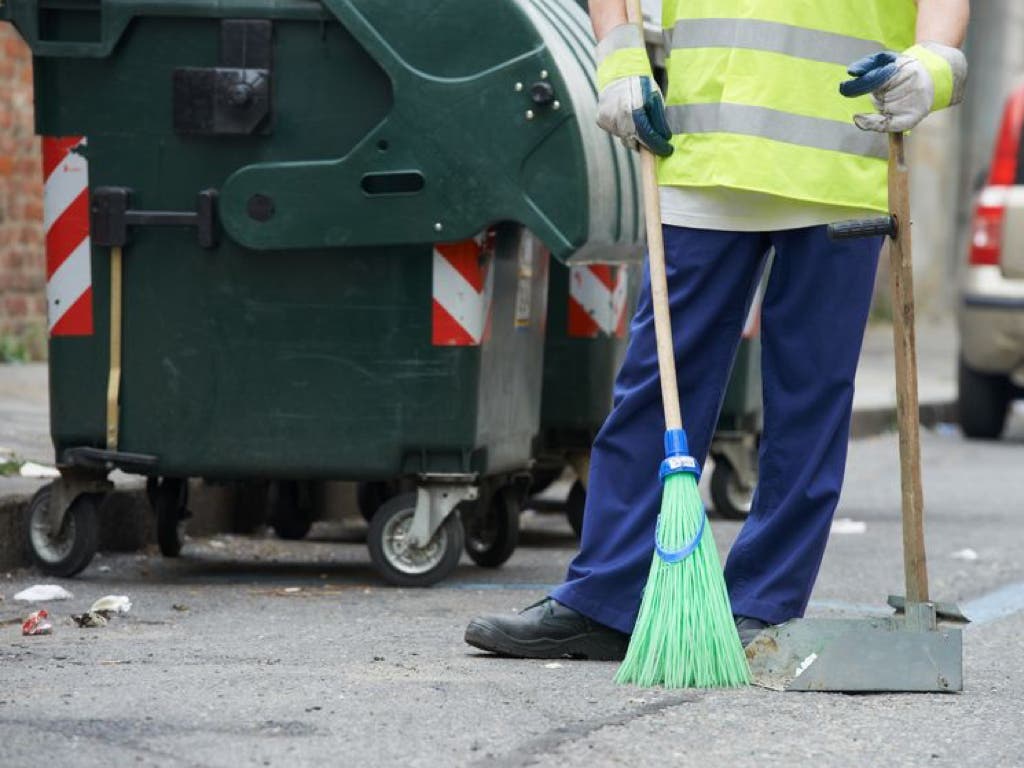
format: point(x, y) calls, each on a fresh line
point(870, 655)
point(908, 652)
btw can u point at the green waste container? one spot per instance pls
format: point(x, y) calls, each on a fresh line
point(589, 310)
point(297, 240)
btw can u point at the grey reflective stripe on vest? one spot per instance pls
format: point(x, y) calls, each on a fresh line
point(777, 126)
point(622, 36)
point(772, 37)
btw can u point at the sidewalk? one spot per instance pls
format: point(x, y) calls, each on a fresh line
point(874, 403)
point(24, 435)
point(24, 401)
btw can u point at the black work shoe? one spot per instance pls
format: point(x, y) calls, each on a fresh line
point(749, 628)
point(547, 630)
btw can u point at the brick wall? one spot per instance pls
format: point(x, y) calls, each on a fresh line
point(22, 263)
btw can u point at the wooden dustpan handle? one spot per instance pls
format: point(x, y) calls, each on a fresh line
point(901, 284)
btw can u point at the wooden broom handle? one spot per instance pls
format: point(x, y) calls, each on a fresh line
point(901, 283)
point(656, 259)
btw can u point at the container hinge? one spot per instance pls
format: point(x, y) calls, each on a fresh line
point(232, 99)
point(111, 217)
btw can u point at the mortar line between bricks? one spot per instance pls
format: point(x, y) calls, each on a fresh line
point(531, 751)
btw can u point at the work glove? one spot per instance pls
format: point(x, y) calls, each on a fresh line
point(905, 88)
point(630, 104)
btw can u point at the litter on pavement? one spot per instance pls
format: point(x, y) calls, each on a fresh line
point(112, 604)
point(43, 593)
point(845, 525)
point(90, 620)
point(37, 623)
point(31, 469)
point(965, 554)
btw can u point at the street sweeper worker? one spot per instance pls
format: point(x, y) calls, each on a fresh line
point(758, 150)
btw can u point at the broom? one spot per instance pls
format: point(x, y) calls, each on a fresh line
point(685, 635)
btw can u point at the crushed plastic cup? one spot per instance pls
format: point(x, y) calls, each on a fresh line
point(43, 593)
point(111, 604)
point(37, 623)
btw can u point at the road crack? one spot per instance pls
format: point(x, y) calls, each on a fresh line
point(531, 751)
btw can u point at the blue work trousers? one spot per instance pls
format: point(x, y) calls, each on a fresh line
point(812, 327)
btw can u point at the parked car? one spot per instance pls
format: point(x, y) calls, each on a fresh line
point(991, 365)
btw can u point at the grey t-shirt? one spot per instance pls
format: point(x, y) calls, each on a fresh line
point(740, 210)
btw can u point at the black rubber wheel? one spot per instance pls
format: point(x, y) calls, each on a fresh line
point(728, 496)
point(492, 528)
point(983, 401)
point(401, 565)
point(371, 496)
point(170, 499)
point(70, 551)
point(574, 505)
point(291, 515)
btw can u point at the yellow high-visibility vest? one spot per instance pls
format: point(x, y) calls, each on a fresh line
point(753, 96)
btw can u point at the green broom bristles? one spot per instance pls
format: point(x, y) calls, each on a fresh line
point(685, 635)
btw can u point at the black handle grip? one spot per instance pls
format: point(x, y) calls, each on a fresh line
point(849, 230)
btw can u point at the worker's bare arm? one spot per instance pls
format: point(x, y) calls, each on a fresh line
point(606, 15)
point(943, 21)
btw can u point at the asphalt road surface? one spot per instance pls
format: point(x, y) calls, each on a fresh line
point(253, 651)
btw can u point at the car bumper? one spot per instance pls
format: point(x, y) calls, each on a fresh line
point(992, 322)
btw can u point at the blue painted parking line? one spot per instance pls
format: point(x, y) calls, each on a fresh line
point(998, 604)
point(545, 588)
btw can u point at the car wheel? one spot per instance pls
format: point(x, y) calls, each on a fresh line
point(983, 402)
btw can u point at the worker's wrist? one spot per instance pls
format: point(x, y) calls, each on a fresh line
point(948, 68)
point(621, 53)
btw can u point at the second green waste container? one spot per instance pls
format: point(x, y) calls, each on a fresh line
point(589, 310)
point(297, 240)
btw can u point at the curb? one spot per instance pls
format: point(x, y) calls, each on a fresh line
point(869, 422)
point(125, 525)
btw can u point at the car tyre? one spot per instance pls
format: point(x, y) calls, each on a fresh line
point(983, 401)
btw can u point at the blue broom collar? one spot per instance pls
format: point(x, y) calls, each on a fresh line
point(677, 456)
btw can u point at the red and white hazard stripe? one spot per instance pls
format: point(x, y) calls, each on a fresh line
point(463, 287)
point(66, 222)
point(597, 300)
